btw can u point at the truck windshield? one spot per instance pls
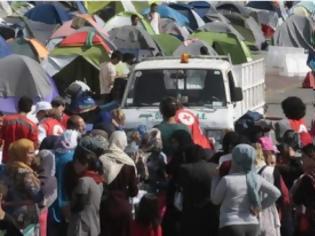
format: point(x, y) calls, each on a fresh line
point(194, 87)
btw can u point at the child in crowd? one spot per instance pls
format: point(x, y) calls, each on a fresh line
point(147, 222)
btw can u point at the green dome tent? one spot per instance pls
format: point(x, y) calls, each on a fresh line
point(226, 44)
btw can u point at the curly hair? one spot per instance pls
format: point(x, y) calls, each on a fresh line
point(293, 108)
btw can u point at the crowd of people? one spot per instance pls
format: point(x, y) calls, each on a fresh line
point(65, 179)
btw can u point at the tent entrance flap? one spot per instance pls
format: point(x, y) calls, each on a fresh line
point(78, 69)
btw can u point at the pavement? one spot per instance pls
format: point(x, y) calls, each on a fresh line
point(279, 87)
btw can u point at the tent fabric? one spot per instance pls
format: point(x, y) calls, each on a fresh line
point(119, 6)
point(194, 19)
point(77, 57)
point(79, 39)
point(29, 47)
point(22, 76)
point(68, 28)
point(220, 27)
point(201, 7)
point(5, 49)
point(226, 44)
point(169, 26)
point(30, 29)
point(192, 47)
point(124, 19)
point(304, 8)
point(49, 14)
point(248, 28)
point(133, 38)
point(233, 7)
point(167, 12)
point(167, 43)
point(296, 31)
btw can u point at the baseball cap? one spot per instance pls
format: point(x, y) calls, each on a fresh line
point(43, 106)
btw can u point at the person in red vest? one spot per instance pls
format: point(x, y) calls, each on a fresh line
point(294, 109)
point(188, 118)
point(18, 126)
point(59, 105)
point(48, 124)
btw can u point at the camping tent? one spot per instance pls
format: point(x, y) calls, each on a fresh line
point(108, 7)
point(304, 8)
point(192, 47)
point(233, 7)
point(134, 40)
point(77, 57)
point(296, 31)
point(81, 22)
point(124, 19)
point(30, 29)
point(22, 76)
point(220, 27)
point(166, 43)
point(195, 21)
point(169, 26)
point(29, 47)
point(248, 28)
point(201, 7)
point(226, 44)
point(5, 49)
point(49, 13)
point(167, 12)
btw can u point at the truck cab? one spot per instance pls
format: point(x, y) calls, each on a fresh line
point(205, 84)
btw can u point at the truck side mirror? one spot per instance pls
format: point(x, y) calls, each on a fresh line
point(237, 94)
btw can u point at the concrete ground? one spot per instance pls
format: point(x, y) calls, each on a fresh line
point(278, 88)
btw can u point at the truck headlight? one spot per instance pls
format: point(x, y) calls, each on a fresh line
point(216, 136)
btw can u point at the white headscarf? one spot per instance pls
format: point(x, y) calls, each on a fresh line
point(116, 158)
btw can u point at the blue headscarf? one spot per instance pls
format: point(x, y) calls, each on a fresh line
point(243, 158)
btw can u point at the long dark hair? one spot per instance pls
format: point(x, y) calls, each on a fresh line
point(148, 211)
point(85, 156)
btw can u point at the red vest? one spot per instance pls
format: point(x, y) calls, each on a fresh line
point(299, 127)
point(52, 126)
point(186, 117)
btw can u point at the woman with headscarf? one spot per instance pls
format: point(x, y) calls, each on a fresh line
point(24, 185)
point(120, 175)
point(48, 186)
point(242, 194)
point(59, 212)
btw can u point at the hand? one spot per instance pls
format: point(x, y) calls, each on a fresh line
point(255, 211)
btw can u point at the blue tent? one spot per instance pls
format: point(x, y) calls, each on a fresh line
point(167, 12)
point(50, 13)
point(201, 7)
point(5, 49)
point(195, 20)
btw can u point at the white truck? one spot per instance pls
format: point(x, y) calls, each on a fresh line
point(215, 90)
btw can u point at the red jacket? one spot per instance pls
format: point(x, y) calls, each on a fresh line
point(187, 117)
point(14, 128)
point(139, 230)
point(52, 126)
point(64, 120)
